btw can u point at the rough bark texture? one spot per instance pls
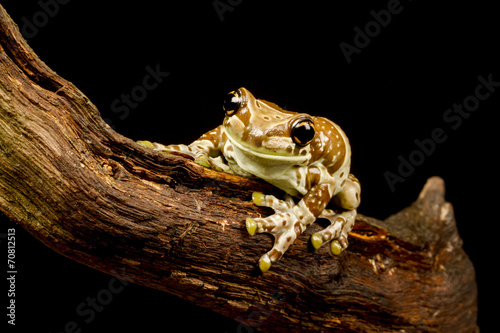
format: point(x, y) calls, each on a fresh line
point(167, 223)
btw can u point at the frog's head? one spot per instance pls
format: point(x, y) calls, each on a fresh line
point(266, 131)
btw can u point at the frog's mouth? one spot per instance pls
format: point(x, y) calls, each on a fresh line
point(291, 159)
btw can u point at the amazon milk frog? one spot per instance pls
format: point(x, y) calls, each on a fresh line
point(307, 157)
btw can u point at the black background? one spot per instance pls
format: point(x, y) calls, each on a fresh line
point(396, 90)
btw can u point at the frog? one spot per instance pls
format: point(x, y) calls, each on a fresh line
point(307, 157)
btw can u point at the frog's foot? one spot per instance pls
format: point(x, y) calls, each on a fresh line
point(337, 231)
point(283, 225)
point(215, 163)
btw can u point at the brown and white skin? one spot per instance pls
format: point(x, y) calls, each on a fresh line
point(307, 157)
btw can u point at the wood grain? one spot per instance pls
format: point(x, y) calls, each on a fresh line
point(164, 222)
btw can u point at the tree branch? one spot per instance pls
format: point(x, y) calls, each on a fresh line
point(167, 223)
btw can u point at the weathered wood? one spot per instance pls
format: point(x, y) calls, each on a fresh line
point(167, 223)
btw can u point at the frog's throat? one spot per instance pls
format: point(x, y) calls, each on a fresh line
point(285, 158)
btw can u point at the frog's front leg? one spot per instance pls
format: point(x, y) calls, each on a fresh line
point(289, 221)
point(206, 150)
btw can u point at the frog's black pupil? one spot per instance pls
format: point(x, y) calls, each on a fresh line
point(231, 103)
point(303, 132)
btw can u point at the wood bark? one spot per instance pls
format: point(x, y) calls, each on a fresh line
point(165, 222)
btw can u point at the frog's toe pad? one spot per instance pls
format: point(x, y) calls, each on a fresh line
point(147, 144)
point(251, 226)
point(336, 247)
point(316, 241)
point(258, 198)
point(264, 263)
point(203, 162)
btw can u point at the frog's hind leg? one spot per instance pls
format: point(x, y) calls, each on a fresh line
point(342, 220)
point(337, 231)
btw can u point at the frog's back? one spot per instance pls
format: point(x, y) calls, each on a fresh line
point(331, 146)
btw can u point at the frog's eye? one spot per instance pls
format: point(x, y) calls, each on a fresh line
point(232, 103)
point(303, 131)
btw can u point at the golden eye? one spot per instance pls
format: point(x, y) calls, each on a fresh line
point(232, 103)
point(303, 131)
